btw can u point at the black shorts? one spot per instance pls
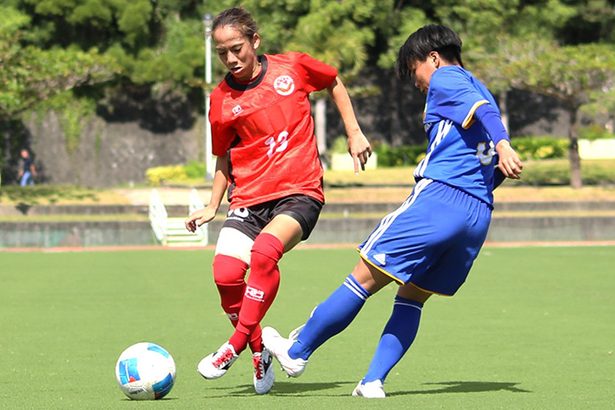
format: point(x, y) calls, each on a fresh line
point(251, 220)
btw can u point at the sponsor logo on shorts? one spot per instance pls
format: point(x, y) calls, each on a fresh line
point(255, 294)
point(380, 258)
point(284, 85)
point(238, 214)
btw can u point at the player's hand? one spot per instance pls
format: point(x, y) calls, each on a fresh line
point(360, 150)
point(510, 164)
point(200, 217)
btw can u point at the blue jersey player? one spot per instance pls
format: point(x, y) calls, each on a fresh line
point(429, 243)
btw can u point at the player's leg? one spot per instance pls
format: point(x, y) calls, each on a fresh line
point(335, 314)
point(397, 337)
point(279, 236)
point(328, 319)
point(276, 227)
point(448, 250)
point(385, 256)
point(383, 259)
point(292, 219)
point(231, 262)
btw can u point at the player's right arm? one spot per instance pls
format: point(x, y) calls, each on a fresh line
point(220, 183)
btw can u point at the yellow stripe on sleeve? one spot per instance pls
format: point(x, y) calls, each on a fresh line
point(469, 120)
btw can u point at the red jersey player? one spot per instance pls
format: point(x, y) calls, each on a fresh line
point(263, 137)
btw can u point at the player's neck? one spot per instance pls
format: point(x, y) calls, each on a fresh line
point(256, 71)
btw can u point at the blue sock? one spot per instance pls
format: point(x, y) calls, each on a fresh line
point(330, 317)
point(397, 336)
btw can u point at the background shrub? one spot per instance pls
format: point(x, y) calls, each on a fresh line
point(403, 155)
point(540, 147)
point(158, 175)
point(195, 169)
point(557, 172)
point(528, 147)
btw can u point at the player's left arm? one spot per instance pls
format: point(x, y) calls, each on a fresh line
point(510, 164)
point(358, 145)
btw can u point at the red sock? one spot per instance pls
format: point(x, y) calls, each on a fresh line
point(261, 289)
point(229, 276)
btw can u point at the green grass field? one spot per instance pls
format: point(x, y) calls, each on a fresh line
point(532, 329)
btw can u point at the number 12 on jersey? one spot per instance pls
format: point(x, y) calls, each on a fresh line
point(277, 145)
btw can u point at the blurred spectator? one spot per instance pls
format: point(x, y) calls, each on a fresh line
point(27, 170)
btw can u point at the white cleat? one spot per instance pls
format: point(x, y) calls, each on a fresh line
point(263, 372)
point(216, 364)
point(369, 390)
point(279, 346)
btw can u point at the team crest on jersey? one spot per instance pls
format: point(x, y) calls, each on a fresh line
point(284, 85)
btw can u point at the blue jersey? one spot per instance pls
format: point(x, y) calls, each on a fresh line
point(460, 152)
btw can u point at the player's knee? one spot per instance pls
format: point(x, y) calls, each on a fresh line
point(266, 252)
point(234, 243)
point(229, 271)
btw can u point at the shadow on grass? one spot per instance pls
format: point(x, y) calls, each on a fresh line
point(280, 389)
point(313, 389)
point(464, 387)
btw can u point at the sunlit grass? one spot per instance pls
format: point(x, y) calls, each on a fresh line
point(531, 329)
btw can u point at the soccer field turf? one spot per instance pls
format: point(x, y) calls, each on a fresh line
point(533, 328)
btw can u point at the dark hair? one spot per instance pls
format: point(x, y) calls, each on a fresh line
point(432, 37)
point(239, 18)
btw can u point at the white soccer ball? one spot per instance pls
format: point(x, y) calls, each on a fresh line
point(145, 371)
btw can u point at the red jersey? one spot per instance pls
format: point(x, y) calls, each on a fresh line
point(268, 130)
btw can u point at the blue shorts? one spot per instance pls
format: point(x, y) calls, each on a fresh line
point(431, 240)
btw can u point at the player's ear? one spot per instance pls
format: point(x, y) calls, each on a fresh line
point(256, 40)
point(434, 58)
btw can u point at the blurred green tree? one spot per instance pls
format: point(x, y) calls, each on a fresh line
point(574, 75)
point(29, 74)
point(498, 33)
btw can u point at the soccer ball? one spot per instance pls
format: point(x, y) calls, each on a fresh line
point(145, 371)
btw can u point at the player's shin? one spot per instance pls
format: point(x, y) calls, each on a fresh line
point(261, 289)
point(229, 276)
point(397, 337)
point(330, 317)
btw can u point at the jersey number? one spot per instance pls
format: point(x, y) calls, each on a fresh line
point(277, 145)
point(485, 154)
